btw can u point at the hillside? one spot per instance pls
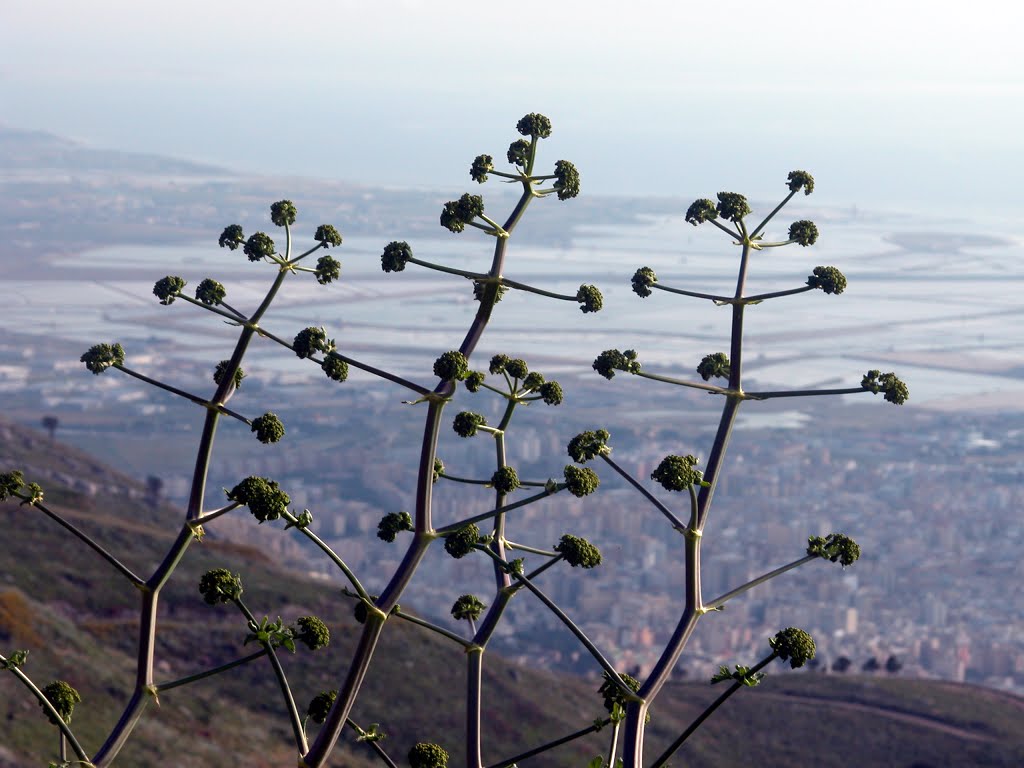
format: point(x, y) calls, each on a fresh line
point(78, 619)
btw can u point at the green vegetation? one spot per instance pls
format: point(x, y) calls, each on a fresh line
point(314, 718)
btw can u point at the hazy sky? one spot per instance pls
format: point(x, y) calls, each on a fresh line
point(904, 105)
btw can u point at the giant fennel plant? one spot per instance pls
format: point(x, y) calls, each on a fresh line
point(316, 726)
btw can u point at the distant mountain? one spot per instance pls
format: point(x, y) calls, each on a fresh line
point(77, 617)
point(24, 150)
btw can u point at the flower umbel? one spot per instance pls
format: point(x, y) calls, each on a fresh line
point(268, 428)
point(220, 586)
point(425, 755)
point(677, 473)
point(102, 356)
point(264, 498)
point(578, 552)
point(63, 698)
point(312, 632)
point(794, 645)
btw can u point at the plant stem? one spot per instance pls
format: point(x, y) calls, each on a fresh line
point(552, 744)
point(286, 692)
point(432, 627)
point(497, 511)
point(50, 710)
point(539, 291)
point(97, 548)
point(326, 549)
point(694, 294)
point(372, 742)
point(160, 688)
point(707, 713)
point(718, 602)
point(677, 524)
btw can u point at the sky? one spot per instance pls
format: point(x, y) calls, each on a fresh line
point(907, 106)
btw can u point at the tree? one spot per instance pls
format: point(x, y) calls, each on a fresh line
point(485, 533)
point(50, 424)
point(841, 664)
point(154, 490)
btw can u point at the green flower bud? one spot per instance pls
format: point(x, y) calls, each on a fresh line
point(327, 235)
point(835, 547)
point(828, 279)
point(283, 212)
point(396, 254)
point(15, 660)
point(498, 363)
point(259, 246)
point(567, 180)
point(268, 428)
point(732, 206)
point(798, 179)
point(643, 279)
point(590, 298)
point(473, 381)
point(457, 214)
point(320, 706)
point(712, 366)
point(328, 269)
point(612, 360)
point(677, 473)
point(220, 586)
point(534, 124)
point(424, 755)
point(168, 288)
point(335, 368)
point(451, 366)
point(613, 695)
point(11, 483)
point(896, 392)
point(467, 607)
point(519, 152)
point(391, 524)
point(311, 340)
point(34, 491)
point(793, 644)
point(221, 369)
point(101, 356)
point(741, 675)
point(231, 237)
point(467, 423)
point(587, 445)
point(580, 481)
point(312, 632)
point(470, 206)
point(804, 232)
point(577, 551)
point(210, 292)
point(482, 165)
point(63, 698)
point(505, 480)
point(461, 542)
point(263, 497)
point(450, 218)
point(533, 380)
point(701, 211)
point(551, 393)
point(438, 469)
point(517, 368)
